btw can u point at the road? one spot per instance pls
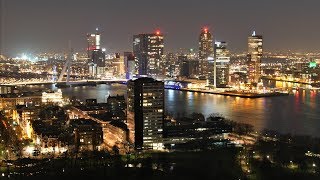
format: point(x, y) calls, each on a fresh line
point(80, 114)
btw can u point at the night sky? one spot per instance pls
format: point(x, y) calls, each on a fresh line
point(39, 25)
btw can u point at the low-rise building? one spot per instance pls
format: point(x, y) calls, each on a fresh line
point(180, 133)
point(87, 134)
point(52, 97)
point(116, 133)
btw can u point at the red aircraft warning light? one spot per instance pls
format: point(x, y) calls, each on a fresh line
point(205, 29)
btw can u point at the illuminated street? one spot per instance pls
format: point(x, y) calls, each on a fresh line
point(159, 90)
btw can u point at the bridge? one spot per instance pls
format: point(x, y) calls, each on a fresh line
point(97, 81)
point(169, 83)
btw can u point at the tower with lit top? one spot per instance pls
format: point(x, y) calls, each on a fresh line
point(254, 57)
point(221, 64)
point(96, 56)
point(205, 50)
point(93, 40)
point(148, 52)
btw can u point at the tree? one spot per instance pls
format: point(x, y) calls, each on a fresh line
point(215, 117)
point(197, 116)
point(115, 150)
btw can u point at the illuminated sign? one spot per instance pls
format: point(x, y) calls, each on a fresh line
point(312, 64)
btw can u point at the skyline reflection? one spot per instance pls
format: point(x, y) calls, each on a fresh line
point(296, 113)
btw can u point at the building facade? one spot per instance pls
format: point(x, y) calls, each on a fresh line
point(146, 112)
point(205, 51)
point(171, 65)
point(52, 97)
point(254, 57)
point(129, 65)
point(118, 65)
point(221, 65)
point(93, 41)
point(148, 52)
point(96, 56)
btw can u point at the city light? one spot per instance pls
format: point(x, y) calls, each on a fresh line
point(205, 29)
point(170, 103)
point(25, 57)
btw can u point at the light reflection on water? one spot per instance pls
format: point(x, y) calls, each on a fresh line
point(298, 113)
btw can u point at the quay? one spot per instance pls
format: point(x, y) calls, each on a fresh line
point(285, 80)
point(236, 94)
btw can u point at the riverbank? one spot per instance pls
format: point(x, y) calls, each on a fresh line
point(235, 94)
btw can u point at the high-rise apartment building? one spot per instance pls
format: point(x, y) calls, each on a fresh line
point(145, 112)
point(220, 66)
point(98, 59)
point(96, 56)
point(254, 57)
point(129, 65)
point(205, 51)
point(118, 65)
point(93, 41)
point(148, 52)
point(171, 65)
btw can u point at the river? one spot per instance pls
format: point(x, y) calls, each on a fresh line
point(298, 113)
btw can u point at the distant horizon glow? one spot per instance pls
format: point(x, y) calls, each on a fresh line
point(289, 25)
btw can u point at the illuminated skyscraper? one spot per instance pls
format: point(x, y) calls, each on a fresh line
point(93, 42)
point(146, 112)
point(148, 51)
point(221, 65)
point(171, 65)
point(129, 65)
point(96, 56)
point(205, 51)
point(98, 61)
point(254, 57)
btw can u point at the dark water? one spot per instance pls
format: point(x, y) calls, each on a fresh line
point(298, 113)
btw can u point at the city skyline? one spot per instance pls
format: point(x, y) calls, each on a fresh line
point(143, 89)
point(35, 26)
